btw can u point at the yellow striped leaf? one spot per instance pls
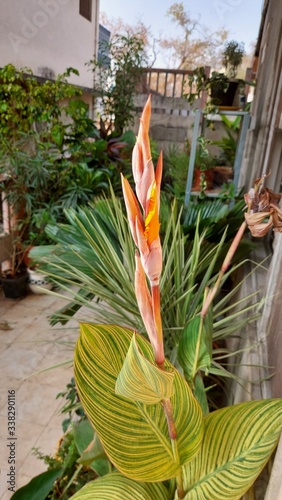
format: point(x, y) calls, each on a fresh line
point(141, 380)
point(134, 435)
point(118, 487)
point(237, 444)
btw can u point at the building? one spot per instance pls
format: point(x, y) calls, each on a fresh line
point(49, 36)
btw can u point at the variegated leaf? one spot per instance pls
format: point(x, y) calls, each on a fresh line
point(134, 435)
point(141, 380)
point(195, 347)
point(115, 486)
point(237, 444)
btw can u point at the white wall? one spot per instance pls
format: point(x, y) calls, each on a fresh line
point(48, 36)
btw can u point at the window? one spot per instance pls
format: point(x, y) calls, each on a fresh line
point(85, 8)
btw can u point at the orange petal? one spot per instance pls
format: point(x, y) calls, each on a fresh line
point(137, 163)
point(153, 263)
point(152, 225)
point(132, 208)
point(144, 301)
point(143, 188)
point(143, 134)
point(141, 240)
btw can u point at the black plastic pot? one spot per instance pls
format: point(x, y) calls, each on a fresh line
point(222, 98)
point(15, 287)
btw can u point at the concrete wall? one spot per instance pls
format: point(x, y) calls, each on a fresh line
point(48, 36)
point(172, 120)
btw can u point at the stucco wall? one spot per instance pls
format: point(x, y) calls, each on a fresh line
point(48, 36)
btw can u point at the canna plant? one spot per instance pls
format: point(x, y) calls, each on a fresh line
point(151, 418)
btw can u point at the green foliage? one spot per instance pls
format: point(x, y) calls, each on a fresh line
point(48, 163)
point(27, 104)
point(72, 405)
point(237, 443)
point(204, 161)
point(122, 488)
point(140, 428)
point(116, 81)
point(228, 143)
point(95, 251)
point(195, 347)
point(149, 420)
point(232, 56)
point(175, 173)
point(116, 374)
point(67, 472)
point(39, 486)
point(199, 81)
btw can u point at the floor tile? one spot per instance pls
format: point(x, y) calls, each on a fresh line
point(28, 344)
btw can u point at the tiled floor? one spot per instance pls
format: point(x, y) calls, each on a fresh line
point(28, 344)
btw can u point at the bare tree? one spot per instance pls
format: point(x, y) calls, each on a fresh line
point(195, 46)
point(117, 27)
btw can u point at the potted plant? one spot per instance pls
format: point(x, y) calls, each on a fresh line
point(228, 146)
point(14, 276)
point(204, 166)
point(232, 57)
point(220, 87)
point(38, 282)
point(216, 85)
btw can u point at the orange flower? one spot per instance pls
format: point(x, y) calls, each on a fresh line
point(145, 228)
point(143, 217)
point(145, 233)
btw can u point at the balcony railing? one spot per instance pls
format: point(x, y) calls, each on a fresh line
point(168, 82)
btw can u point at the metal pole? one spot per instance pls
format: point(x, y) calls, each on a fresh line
point(192, 157)
point(240, 149)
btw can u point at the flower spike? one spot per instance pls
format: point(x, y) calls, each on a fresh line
point(145, 230)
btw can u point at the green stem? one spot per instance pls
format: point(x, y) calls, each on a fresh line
point(179, 484)
point(71, 480)
point(166, 403)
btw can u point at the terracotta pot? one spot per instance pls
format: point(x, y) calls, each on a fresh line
point(208, 177)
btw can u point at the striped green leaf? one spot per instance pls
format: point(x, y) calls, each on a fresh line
point(134, 435)
point(195, 347)
point(237, 444)
point(115, 486)
point(141, 380)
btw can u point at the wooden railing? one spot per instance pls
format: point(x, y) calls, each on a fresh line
point(168, 82)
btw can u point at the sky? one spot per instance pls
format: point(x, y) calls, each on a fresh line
point(240, 17)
